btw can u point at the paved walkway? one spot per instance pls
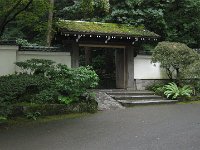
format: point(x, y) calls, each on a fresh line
point(163, 127)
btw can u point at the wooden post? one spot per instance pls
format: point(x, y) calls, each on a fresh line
point(130, 68)
point(88, 56)
point(120, 70)
point(75, 55)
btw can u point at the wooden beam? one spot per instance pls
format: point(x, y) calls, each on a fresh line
point(101, 45)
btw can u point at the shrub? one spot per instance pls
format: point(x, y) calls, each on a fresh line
point(74, 82)
point(14, 87)
point(174, 92)
point(192, 74)
point(158, 88)
point(47, 96)
point(36, 66)
point(47, 84)
point(174, 58)
point(5, 109)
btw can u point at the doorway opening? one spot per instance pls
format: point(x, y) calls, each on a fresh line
point(103, 61)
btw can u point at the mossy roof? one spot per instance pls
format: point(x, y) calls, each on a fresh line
point(112, 29)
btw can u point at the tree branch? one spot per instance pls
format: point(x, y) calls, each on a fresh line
point(6, 19)
point(18, 12)
point(11, 10)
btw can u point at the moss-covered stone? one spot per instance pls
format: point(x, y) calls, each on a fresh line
point(104, 28)
point(53, 109)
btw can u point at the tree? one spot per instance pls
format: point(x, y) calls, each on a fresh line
point(183, 23)
point(10, 10)
point(30, 24)
point(50, 21)
point(83, 9)
point(174, 57)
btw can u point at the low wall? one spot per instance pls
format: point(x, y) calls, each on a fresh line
point(10, 54)
point(58, 57)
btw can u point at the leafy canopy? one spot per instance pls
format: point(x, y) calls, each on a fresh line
point(174, 56)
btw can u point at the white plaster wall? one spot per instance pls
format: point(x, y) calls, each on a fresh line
point(144, 69)
point(7, 59)
point(58, 57)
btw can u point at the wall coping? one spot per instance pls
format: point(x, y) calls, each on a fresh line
point(44, 53)
point(9, 47)
point(143, 57)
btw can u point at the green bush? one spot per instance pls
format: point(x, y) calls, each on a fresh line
point(158, 88)
point(5, 109)
point(14, 87)
point(46, 84)
point(74, 82)
point(36, 66)
point(47, 96)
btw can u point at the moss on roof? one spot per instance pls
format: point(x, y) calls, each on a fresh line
point(104, 28)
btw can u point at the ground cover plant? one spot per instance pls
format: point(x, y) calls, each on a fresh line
point(172, 90)
point(182, 67)
point(42, 82)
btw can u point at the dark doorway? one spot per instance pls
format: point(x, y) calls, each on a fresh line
point(103, 61)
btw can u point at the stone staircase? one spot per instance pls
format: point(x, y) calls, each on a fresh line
point(133, 98)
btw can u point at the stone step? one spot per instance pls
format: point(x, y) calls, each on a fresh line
point(129, 103)
point(130, 93)
point(135, 97)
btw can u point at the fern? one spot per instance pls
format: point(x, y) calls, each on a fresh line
point(171, 90)
point(174, 92)
point(186, 91)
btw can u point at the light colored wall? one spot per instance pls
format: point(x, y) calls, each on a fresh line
point(144, 69)
point(58, 57)
point(7, 59)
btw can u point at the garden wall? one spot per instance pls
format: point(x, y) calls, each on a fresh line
point(58, 57)
point(144, 69)
point(11, 54)
point(8, 56)
point(146, 73)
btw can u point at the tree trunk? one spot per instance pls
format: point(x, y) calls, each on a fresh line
point(50, 21)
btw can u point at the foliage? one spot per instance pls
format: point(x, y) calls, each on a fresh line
point(32, 115)
point(64, 99)
point(174, 57)
point(87, 8)
point(45, 84)
point(10, 10)
point(13, 87)
point(89, 100)
point(2, 119)
point(183, 28)
point(29, 23)
point(154, 15)
point(5, 109)
point(74, 82)
point(192, 71)
point(192, 75)
point(36, 66)
point(82, 9)
point(23, 42)
point(46, 96)
point(158, 88)
point(174, 92)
